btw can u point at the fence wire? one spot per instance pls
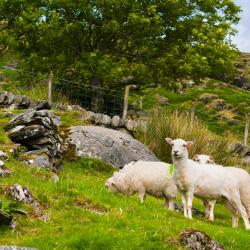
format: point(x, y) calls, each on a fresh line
point(94, 98)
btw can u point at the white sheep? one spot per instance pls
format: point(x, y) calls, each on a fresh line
point(209, 182)
point(241, 174)
point(154, 178)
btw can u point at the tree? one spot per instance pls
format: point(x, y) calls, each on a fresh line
point(104, 41)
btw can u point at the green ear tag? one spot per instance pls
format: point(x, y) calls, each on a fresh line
point(171, 169)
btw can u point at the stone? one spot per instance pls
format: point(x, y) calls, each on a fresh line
point(3, 156)
point(19, 193)
point(37, 130)
point(115, 121)
point(40, 105)
point(135, 125)
point(1, 164)
point(196, 240)
point(110, 145)
point(106, 120)
point(5, 172)
point(195, 211)
point(207, 97)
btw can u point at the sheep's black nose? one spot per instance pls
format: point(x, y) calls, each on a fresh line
point(175, 152)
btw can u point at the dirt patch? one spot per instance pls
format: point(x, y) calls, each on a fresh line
point(91, 206)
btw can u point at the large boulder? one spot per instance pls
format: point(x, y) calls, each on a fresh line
point(112, 146)
point(37, 131)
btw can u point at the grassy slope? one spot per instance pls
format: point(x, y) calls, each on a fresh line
point(127, 224)
point(237, 98)
point(104, 220)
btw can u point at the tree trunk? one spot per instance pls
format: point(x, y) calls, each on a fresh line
point(97, 96)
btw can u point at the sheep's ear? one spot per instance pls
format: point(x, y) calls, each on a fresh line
point(195, 157)
point(211, 161)
point(169, 140)
point(189, 144)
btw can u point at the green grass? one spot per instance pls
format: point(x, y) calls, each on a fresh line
point(124, 223)
point(82, 214)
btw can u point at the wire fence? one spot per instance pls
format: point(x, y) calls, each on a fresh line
point(94, 98)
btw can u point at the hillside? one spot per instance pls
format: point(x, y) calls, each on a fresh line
point(79, 213)
point(221, 106)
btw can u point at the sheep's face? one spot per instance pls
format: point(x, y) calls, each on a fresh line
point(179, 148)
point(110, 184)
point(203, 159)
point(115, 182)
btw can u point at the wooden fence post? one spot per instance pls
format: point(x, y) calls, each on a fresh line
point(50, 80)
point(246, 130)
point(125, 105)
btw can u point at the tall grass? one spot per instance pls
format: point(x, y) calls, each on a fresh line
point(174, 124)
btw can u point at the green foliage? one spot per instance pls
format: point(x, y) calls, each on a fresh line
point(103, 42)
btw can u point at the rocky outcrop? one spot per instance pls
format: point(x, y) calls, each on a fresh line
point(37, 131)
point(9, 100)
point(242, 151)
point(19, 193)
point(112, 146)
point(197, 240)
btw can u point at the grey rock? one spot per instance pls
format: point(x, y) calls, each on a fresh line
point(196, 240)
point(3, 156)
point(110, 145)
point(135, 125)
point(5, 172)
point(115, 121)
point(1, 164)
point(102, 119)
point(19, 193)
point(38, 130)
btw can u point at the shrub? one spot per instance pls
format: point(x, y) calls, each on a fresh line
point(174, 124)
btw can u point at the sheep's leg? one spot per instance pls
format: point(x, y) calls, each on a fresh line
point(166, 202)
point(206, 203)
point(190, 197)
point(234, 212)
point(243, 213)
point(142, 195)
point(169, 203)
point(184, 203)
point(211, 205)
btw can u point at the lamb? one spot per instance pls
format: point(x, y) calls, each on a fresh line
point(154, 178)
point(211, 182)
point(241, 174)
